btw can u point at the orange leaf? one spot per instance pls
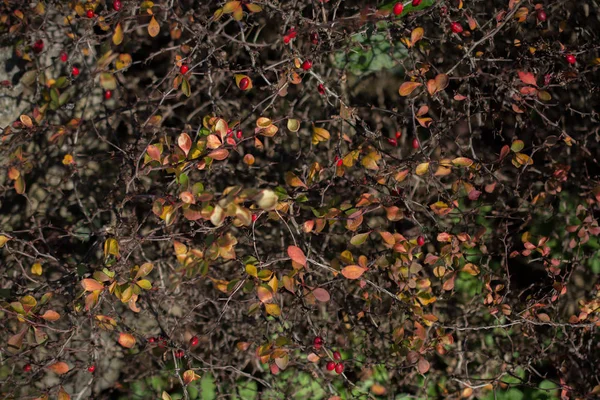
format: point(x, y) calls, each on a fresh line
point(353, 271)
point(59, 368)
point(90, 285)
point(153, 27)
point(126, 340)
point(416, 35)
point(264, 293)
point(51, 315)
point(408, 87)
point(297, 255)
point(219, 154)
point(527, 77)
point(184, 142)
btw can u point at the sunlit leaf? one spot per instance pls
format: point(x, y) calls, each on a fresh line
point(126, 340)
point(353, 271)
point(59, 368)
point(297, 255)
point(153, 27)
point(320, 135)
point(408, 87)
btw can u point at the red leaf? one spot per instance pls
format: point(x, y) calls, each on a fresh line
point(322, 295)
point(297, 255)
point(527, 78)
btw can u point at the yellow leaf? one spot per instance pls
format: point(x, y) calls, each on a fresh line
point(232, 6)
point(462, 162)
point(267, 200)
point(320, 135)
point(292, 180)
point(123, 61)
point(117, 37)
point(36, 269)
point(26, 120)
point(189, 376)
point(126, 340)
point(293, 125)
point(422, 168)
point(273, 309)
point(408, 87)
point(370, 160)
point(153, 27)
point(111, 247)
point(353, 271)
point(416, 35)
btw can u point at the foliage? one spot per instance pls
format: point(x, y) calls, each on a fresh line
point(199, 190)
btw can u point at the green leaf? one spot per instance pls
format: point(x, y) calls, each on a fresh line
point(208, 387)
point(185, 87)
point(248, 390)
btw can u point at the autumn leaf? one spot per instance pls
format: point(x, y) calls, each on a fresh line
point(50, 315)
point(527, 77)
point(264, 293)
point(353, 271)
point(126, 340)
point(117, 37)
point(320, 135)
point(297, 255)
point(90, 285)
point(416, 35)
point(190, 376)
point(408, 87)
point(273, 309)
point(59, 368)
point(153, 27)
point(321, 295)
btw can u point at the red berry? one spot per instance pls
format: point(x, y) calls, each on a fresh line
point(314, 38)
point(151, 340)
point(286, 39)
point(456, 27)
point(398, 134)
point(107, 94)
point(254, 217)
point(415, 3)
point(292, 33)
point(179, 353)
point(339, 368)
point(38, 46)
point(330, 366)
point(244, 83)
point(64, 57)
point(75, 71)
point(340, 163)
point(184, 69)
point(239, 134)
point(420, 240)
point(398, 8)
point(117, 5)
point(194, 341)
point(571, 59)
point(306, 65)
point(27, 368)
point(92, 368)
point(318, 341)
point(90, 13)
point(542, 16)
point(321, 89)
point(337, 356)
point(415, 143)
point(393, 142)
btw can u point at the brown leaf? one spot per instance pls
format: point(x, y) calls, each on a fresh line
point(423, 365)
point(297, 255)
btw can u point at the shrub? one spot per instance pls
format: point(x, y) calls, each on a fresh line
point(300, 199)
